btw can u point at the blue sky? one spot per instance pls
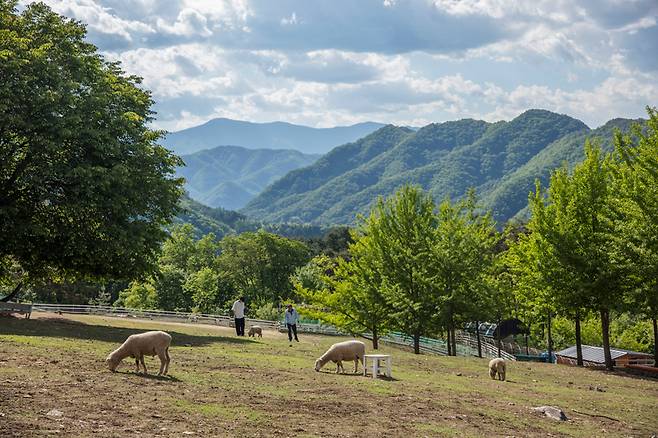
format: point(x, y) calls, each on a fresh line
point(336, 62)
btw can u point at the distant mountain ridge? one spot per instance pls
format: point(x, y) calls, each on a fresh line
point(230, 176)
point(274, 135)
point(500, 160)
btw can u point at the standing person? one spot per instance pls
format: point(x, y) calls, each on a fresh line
point(291, 322)
point(238, 314)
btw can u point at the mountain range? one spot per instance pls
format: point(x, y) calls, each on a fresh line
point(274, 135)
point(230, 176)
point(500, 160)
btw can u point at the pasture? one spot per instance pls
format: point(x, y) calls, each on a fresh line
point(224, 386)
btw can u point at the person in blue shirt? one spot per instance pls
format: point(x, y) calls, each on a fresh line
point(291, 322)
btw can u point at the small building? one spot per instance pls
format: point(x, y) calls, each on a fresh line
point(594, 357)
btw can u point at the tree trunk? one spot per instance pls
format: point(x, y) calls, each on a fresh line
point(454, 342)
point(550, 340)
point(605, 329)
point(375, 339)
point(477, 333)
point(579, 342)
point(527, 349)
point(416, 343)
point(448, 343)
point(497, 333)
point(655, 343)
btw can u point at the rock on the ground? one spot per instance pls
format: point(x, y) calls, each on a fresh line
point(552, 412)
point(55, 413)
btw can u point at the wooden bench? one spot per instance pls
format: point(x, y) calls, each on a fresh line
point(23, 309)
point(376, 365)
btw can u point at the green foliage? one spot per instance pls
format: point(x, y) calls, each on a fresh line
point(84, 188)
point(268, 311)
point(260, 264)
point(139, 295)
point(202, 286)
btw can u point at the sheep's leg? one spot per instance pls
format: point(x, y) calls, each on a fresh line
point(166, 370)
point(137, 365)
point(141, 359)
point(356, 365)
point(163, 361)
point(339, 366)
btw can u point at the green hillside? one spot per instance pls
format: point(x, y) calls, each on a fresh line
point(500, 160)
point(221, 222)
point(230, 176)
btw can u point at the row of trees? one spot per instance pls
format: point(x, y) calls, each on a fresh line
point(411, 267)
point(590, 247)
point(205, 275)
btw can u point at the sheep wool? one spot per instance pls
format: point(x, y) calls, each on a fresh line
point(337, 353)
point(136, 346)
point(497, 366)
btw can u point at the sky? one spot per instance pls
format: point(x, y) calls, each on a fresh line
point(338, 62)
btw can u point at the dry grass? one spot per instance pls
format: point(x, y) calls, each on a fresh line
point(224, 386)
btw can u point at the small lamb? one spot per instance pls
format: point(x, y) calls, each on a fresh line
point(497, 366)
point(255, 330)
point(136, 346)
point(337, 353)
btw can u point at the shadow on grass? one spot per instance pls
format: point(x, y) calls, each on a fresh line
point(168, 378)
point(66, 328)
point(358, 374)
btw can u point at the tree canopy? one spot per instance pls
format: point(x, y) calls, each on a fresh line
point(85, 189)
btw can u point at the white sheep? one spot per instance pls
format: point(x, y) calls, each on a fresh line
point(497, 366)
point(136, 346)
point(255, 330)
point(337, 353)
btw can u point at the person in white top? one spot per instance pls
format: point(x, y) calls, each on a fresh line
point(238, 315)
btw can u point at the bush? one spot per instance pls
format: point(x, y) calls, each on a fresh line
point(268, 312)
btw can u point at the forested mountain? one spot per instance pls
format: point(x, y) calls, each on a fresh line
point(230, 176)
point(500, 160)
point(221, 222)
point(275, 135)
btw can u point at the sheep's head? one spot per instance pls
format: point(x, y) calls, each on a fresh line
point(112, 363)
point(318, 365)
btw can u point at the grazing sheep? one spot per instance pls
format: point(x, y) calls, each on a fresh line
point(337, 353)
point(497, 366)
point(255, 330)
point(136, 346)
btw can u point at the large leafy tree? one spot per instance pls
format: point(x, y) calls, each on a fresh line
point(578, 235)
point(347, 293)
point(84, 188)
point(260, 264)
point(462, 256)
point(638, 199)
point(401, 231)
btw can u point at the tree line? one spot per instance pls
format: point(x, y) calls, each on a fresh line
point(590, 247)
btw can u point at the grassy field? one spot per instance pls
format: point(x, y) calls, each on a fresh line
point(224, 386)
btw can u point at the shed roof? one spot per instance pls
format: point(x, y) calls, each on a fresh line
point(596, 355)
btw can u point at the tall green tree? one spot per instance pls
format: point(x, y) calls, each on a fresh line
point(401, 231)
point(638, 202)
point(462, 255)
point(84, 187)
point(577, 233)
point(346, 293)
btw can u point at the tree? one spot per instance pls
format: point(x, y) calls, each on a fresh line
point(462, 255)
point(578, 234)
point(203, 287)
point(259, 265)
point(346, 293)
point(139, 295)
point(84, 188)
point(400, 231)
point(637, 174)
